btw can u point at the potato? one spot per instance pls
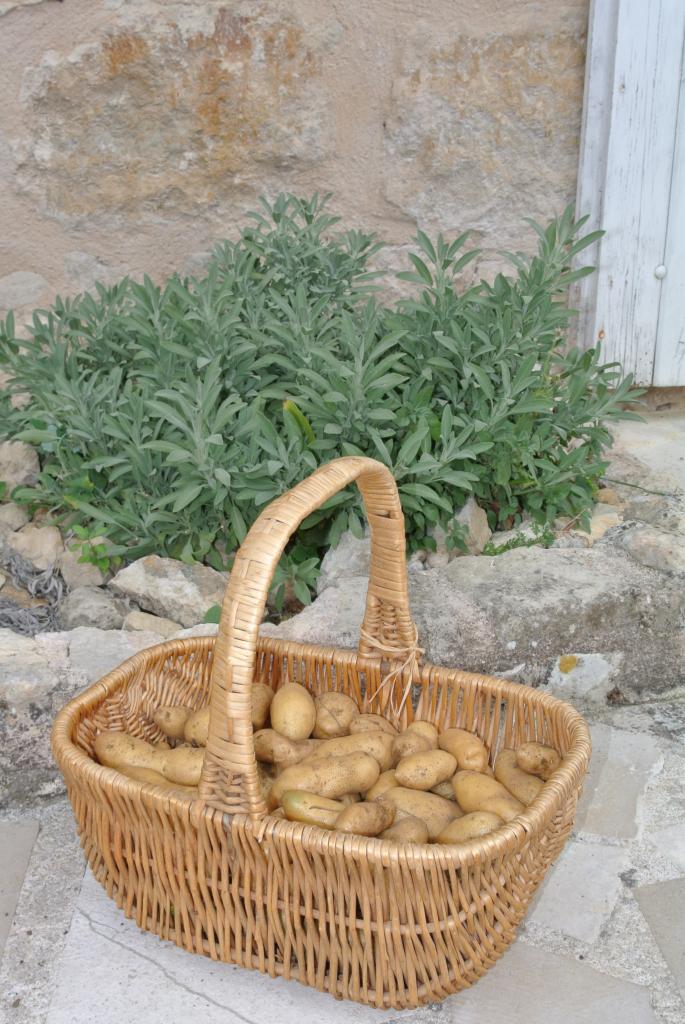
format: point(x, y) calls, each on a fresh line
point(197, 727)
point(334, 712)
point(408, 743)
point(366, 819)
point(161, 745)
point(538, 759)
point(377, 744)
point(522, 785)
point(477, 792)
point(271, 747)
point(117, 749)
point(444, 789)
point(469, 751)
point(371, 723)
point(310, 808)
point(182, 765)
point(385, 782)
point(407, 830)
point(172, 719)
point(266, 776)
point(144, 775)
point(425, 770)
point(425, 729)
point(350, 798)
point(293, 712)
point(262, 695)
point(328, 776)
point(434, 810)
point(477, 823)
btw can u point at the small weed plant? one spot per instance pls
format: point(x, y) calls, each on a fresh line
point(167, 416)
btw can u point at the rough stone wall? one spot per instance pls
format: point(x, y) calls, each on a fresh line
point(136, 133)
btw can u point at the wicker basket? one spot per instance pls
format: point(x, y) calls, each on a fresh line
point(364, 919)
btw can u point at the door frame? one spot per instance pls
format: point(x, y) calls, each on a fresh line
point(628, 136)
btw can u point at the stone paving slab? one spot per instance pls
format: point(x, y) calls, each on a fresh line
point(663, 905)
point(133, 976)
point(16, 843)
point(581, 890)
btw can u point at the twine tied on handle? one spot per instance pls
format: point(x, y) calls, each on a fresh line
point(408, 657)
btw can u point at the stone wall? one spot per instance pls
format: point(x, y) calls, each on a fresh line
point(136, 133)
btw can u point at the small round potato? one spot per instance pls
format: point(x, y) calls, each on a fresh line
point(328, 776)
point(293, 712)
point(310, 808)
point(432, 809)
point(262, 695)
point(538, 759)
point(366, 819)
point(171, 719)
point(477, 823)
point(197, 727)
point(182, 765)
point(272, 748)
point(468, 750)
point(377, 744)
point(522, 785)
point(385, 782)
point(407, 830)
point(425, 729)
point(334, 713)
point(371, 723)
point(425, 770)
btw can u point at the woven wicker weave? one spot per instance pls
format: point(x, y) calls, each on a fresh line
point(365, 919)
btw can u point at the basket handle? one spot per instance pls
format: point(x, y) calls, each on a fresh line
point(229, 779)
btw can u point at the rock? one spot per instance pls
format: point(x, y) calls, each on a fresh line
point(351, 557)
point(526, 532)
point(417, 561)
point(665, 511)
point(40, 545)
point(656, 548)
point(3, 580)
point(21, 288)
point(474, 522)
point(76, 573)
point(663, 905)
point(528, 607)
point(170, 588)
point(38, 675)
point(440, 558)
point(91, 606)
point(608, 496)
point(19, 464)
point(585, 678)
point(152, 623)
point(12, 516)
point(604, 517)
point(572, 539)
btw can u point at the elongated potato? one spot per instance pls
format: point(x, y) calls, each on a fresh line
point(468, 750)
point(171, 719)
point(310, 808)
point(262, 695)
point(434, 810)
point(538, 759)
point(334, 713)
point(272, 748)
point(522, 785)
point(477, 792)
point(377, 744)
point(117, 749)
point(371, 723)
point(385, 782)
point(408, 743)
point(197, 727)
point(407, 830)
point(144, 775)
point(425, 770)
point(182, 765)
point(328, 776)
point(293, 712)
point(425, 729)
point(366, 819)
point(477, 823)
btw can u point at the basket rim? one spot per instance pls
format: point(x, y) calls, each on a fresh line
point(508, 838)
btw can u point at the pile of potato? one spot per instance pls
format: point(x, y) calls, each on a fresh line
point(323, 762)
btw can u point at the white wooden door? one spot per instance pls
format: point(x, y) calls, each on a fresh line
point(632, 182)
